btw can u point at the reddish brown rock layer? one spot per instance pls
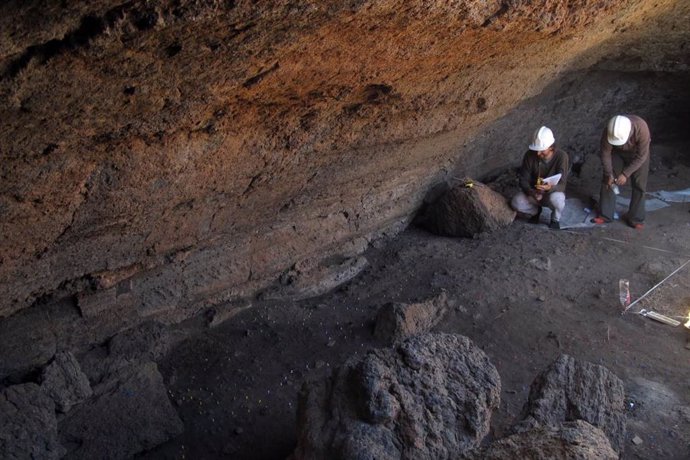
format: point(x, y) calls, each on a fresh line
point(162, 156)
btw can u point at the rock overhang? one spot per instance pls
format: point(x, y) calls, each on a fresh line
point(161, 157)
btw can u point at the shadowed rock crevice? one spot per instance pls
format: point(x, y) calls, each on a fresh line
point(89, 28)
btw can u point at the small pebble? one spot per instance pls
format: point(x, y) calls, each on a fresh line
point(637, 440)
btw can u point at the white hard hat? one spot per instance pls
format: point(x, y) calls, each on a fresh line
point(542, 139)
point(619, 130)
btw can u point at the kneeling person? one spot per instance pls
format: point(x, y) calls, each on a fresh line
point(542, 160)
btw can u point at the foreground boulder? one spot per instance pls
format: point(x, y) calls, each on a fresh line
point(569, 440)
point(130, 413)
point(569, 390)
point(397, 321)
point(465, 209)
point(430, 397)
point(28, 428)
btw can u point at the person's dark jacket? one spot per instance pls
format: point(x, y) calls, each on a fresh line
point(533, 168)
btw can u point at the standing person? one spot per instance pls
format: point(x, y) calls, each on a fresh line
point(542, 160)
point(624, 156)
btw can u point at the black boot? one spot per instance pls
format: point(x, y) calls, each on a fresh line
point(535, 219)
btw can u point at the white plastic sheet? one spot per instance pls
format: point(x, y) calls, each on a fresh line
point(576, 215)
point(678, 196)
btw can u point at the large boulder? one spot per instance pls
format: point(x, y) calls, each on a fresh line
point(430, 397)
point(28, 428)
point(569, 390)
point(569, 440)
point(465, 209)
point(64, 382)
point(130, 413)
point(397, 321)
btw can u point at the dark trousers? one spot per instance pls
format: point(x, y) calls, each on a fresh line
point(638, 182)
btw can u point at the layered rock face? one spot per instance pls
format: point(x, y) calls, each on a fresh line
point(159, 157)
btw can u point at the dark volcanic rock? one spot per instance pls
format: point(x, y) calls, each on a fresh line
point(130, 413)
point(430, 397)
point(397, 321)
point(298, 283)
point(137, 345)
point(149, 341)
point(566, 441)
point(466, 209)
point(569, 390)
point(28, 428)
point(27, 342)
point(64, 382)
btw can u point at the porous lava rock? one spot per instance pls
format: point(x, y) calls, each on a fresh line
point(570, 390)
point(64, 382)
point(565, 441)
point(397, 321)
point(430, 397)
point(28, 427)
point(129, 413)
point(149, 341)
point(467, 208)
point(141, 344)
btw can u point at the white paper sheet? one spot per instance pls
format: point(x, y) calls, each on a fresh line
point(553, 180)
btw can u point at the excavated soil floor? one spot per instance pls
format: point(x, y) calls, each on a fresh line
point(525, 295)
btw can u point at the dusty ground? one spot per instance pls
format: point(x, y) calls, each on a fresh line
point(525, 295)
